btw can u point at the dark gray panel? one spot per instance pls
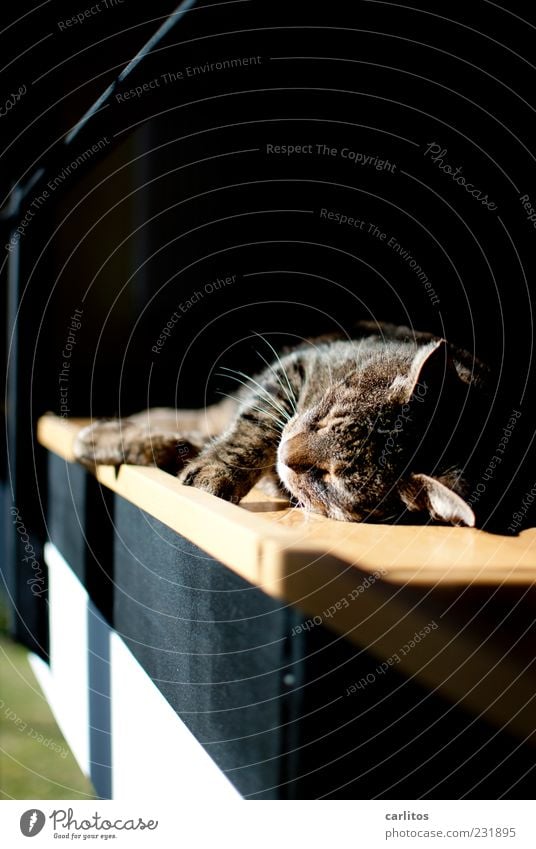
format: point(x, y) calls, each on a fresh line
point(215, 646)
point(80, 524)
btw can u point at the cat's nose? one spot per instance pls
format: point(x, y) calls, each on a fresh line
point(295, 453)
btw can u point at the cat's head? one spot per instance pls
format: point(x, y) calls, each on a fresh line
point(370, 447)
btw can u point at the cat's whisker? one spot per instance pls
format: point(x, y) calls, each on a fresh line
point(280, 422)
point(288, 391)
point(281, 366)
point(304, 514)
point(282, 385)
point(267, 396)
point(264, 412)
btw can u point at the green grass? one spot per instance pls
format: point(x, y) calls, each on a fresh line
point(30, 769)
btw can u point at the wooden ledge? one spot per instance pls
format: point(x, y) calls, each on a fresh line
point(263, 530)
point(376, 585)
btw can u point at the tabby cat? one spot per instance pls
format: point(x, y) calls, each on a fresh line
point(358, 429)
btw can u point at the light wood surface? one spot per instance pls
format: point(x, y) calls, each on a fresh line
point(424, 555)
point(377, 585)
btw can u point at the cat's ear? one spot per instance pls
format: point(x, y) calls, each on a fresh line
point(431, 371)
point(423, 492)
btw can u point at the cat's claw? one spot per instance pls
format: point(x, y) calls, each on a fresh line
point(215, 478)
point(102, 443)
point(117, 441)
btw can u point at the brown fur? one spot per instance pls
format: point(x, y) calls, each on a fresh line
point(353, 429)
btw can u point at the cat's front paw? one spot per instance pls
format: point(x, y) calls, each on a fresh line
point(118, 441)
point(102, 442)
point(214, 477)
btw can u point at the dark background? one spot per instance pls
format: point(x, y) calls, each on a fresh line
point(188, 193)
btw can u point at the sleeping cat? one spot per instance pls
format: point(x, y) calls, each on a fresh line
point(357, 429)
